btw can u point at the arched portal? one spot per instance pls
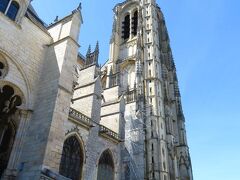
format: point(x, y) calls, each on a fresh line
point(105, 166)
point(72, 159)
point(9, 103)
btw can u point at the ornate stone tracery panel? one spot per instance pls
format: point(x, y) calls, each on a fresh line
point(9, 104)
point(10, 100)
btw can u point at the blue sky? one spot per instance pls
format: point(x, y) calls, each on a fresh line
point(205, 38)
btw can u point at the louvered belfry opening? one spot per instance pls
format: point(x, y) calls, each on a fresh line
point(126, 27)
point(106, 167)
point(72, 159)
point(135, 23)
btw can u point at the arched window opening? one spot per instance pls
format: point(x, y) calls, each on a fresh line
point(135, 23)
point(7, 140)
point(3, 5)
point(72, 159)
point(126, 27)
point(105, 167)
point(8, 106)
point(13, 10)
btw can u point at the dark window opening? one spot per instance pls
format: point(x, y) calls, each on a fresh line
point(6, 147)
point(135, 23)
point(13, 10)
point(126, 27)
point(105, 167)
point(8, 106)
point(4, 5)
point(72, 159)
point(1, 68)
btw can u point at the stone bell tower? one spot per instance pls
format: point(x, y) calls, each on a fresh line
point(142, 66)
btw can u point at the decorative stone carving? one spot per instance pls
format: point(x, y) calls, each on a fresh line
point(8, 103)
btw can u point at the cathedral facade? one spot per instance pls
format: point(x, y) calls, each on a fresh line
point(62, 116)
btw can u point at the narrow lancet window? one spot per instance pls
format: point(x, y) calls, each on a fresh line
point(126, 27)
point(13, 10)
point(72, 159)
point(135, 23)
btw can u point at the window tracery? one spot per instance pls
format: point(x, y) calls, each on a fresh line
point(72, 159)
point(105, 167)
point(9, 103)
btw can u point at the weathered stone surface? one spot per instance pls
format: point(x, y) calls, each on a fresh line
point(131, 107)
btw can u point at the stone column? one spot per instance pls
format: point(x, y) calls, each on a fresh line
point(13, 163)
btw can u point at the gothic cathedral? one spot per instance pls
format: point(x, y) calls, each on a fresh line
point(65, 117)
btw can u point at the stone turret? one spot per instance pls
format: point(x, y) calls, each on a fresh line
point(92, 57)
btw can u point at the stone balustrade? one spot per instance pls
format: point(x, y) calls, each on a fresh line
point(87, 122)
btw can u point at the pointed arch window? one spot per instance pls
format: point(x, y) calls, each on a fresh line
point(13, 10)
point(8, 136)
point(9, 103)
point(135, 23)
point(72, 159)
point(106, 167)
point(126, 27)
point(4, 5)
